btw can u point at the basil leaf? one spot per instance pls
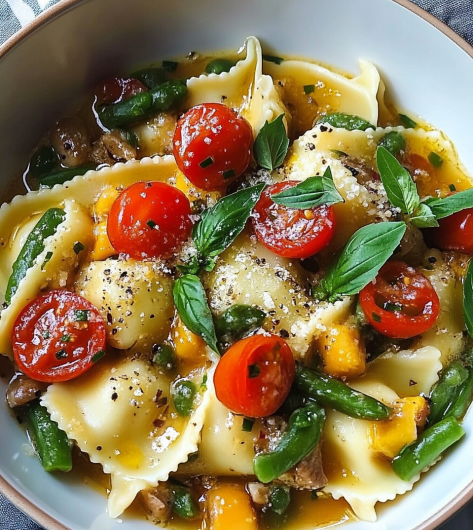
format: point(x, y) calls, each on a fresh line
point(452, 204)
point(468, 299)
point(272, 59)
point(310, 193)
point(271, 144)
point(407, 122)
point(365, 253)
point(423, 217)
point(191, 303)
point(221, 224)
point(341, 120)
point(400, 188)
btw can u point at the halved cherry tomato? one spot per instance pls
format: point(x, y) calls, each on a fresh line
point(454, 232)
point(255, 375)
point(149, 220)
point(117, 89)
point(57, 337)
point(288, 232)
point(400, 302)
point(212, 145)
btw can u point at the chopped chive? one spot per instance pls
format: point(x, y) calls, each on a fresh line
point(247, 425)
point(435, 159)
point(98, 356)
point(308, 89)
point(452, 187)
point(203, 385)
point(273, 59)
point(337, 152)
point(206, 163)
point(151, 223)
point(388, 306)
point(78, 247)
point(170, 66)
point(376, 317)
point(81, 315)
point(66, 338)
point(48, 256)
point(230, 173)
point(407, 122)
point(61, 354)
point(45, 334)
point(253, 371)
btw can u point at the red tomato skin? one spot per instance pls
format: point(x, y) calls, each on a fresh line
point(454, 232)
point(212, 131)
point(264, 394)
point(130, 221)
point(288, 232)
point(397, 283)
point(38, 329)
point(117, 89)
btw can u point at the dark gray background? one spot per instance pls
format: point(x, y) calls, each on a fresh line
point(14, 14)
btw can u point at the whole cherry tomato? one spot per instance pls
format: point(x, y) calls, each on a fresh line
point(149, 220)
point(117, 89)
point(212, 145)
point(454, 232)
point(57, 337)
point(288, 232)
point(400, 302)
point(255, 375)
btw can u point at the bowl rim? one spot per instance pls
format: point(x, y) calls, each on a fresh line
point(26, 505)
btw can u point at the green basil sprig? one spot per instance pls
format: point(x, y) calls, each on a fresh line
point(452, 204)
point(402, 192)
point(400, 188)
point(365, 253)
point(423, 217)
point(271, 144)
point(219, 226)
point(468, 299)
point(310, 193)
point(191, 303)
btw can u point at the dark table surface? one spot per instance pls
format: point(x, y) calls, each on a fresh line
point(14, 14)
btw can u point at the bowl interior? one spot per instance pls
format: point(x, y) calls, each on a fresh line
point(425, 71)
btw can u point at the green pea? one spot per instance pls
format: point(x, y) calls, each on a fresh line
point(217, 66)
point(279, 499)
point(183, 395)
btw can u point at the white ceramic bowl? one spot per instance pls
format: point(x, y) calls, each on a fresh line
point(66, 51)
